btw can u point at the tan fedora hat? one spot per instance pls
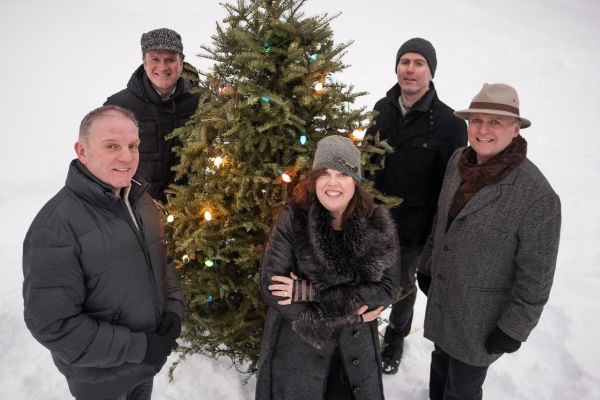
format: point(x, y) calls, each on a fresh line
point(497, 99)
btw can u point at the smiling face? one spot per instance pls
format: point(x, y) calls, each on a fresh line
point(163, 68)
point(413, 74)
point(334, 190)
point(489, 134)
point(110, 150)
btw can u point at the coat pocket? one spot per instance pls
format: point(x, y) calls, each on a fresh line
point(421, 155)
point(491, 290)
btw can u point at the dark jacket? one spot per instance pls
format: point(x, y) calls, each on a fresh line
point(94, 283)
point(348, 272)
point(156, 120)
point(494, 265)
point(423, 141)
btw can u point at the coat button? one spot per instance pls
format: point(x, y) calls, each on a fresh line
point(356, 333)
point(356, 389)
point(439, 276)
point(356, 361)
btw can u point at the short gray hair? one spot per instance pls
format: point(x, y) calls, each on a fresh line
point(86, 122)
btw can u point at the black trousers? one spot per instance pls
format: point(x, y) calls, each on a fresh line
point(451, 379)
point(402, 311)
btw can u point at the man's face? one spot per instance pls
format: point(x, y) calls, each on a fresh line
point(489, 134)
point(110, 151)
point(163, 69)
point(413, 74)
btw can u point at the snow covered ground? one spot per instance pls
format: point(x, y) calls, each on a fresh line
point(61, 59)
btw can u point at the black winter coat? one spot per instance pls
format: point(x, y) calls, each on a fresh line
point(300, 339)
point(423, 142)
point(94, 283)
point(156, 120)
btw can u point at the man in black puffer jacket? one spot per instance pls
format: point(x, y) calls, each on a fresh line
point(98, 291)
point(424, 133)
point(161, 101)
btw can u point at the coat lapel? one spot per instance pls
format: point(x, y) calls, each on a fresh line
point(486, 195)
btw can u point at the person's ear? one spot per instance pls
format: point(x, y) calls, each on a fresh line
point(517, 129)
point(81, 152)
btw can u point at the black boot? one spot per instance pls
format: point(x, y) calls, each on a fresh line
point(391, 356)
point(393, 341)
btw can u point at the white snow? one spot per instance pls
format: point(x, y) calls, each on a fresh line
point(60, 59)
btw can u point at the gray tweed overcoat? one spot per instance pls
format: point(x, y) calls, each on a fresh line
point(494, 265)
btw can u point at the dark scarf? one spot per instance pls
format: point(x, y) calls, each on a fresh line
point(475, 176)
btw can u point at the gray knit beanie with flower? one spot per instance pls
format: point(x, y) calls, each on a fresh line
point(339, 153)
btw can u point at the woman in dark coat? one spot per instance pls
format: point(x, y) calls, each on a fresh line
point(326, 274)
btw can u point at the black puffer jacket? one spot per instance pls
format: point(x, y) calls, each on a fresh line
point(94, 283)
point(359, 268)
point(423, 142)
point(156, 119)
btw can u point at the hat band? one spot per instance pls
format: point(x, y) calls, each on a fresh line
point(494, 106)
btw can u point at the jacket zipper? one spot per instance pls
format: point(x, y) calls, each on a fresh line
point(140, 236)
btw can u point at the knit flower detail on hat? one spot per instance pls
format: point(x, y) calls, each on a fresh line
point(339, 160)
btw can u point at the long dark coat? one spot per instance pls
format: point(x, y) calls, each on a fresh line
point(493, 265)
point(156, 120)
point(300, 339)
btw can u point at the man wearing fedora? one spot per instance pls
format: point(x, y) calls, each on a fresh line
point(488, 265)
point(161, 100)
point(424, 133)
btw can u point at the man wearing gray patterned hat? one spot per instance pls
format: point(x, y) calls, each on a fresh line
point(423, 133)
point(161, 100)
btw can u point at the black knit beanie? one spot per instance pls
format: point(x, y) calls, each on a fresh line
point(421, 46)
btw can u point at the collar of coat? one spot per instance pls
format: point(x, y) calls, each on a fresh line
point(140, 85)
point(423, 104)
point(86, 186)
point(362, 252)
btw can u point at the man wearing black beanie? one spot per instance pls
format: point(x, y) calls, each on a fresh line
point(423, 133)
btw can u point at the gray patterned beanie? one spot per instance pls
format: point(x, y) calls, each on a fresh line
point(421, 46)
point(339, 153)
point(162, 39)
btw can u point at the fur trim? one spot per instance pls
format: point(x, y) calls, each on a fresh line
point(336, 265)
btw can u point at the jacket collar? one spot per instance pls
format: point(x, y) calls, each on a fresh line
point(140, 85)
point(486, 195)
point(86, 186)
point(423, 104)
point(323, 237)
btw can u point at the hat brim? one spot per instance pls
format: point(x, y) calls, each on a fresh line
point(464, 114)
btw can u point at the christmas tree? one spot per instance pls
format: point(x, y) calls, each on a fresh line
point(267, 100)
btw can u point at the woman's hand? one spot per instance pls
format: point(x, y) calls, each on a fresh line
point(284, 288)
point(368, 316)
